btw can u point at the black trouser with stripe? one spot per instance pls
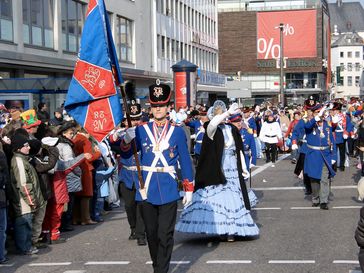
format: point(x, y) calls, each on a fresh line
point(159, 224)
point(341, 148)
point(133, 211)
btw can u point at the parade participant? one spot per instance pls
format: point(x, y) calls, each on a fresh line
point(299, 143)
point(249, 120)
point(289, 133)
point(129, 182)
point(270, 134)
point(320, 155)
point(220, 204)
point(340, 132)
point(250, 152)
point(199, 136)
point(162, 146)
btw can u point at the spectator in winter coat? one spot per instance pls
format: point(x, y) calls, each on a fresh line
point(82, 144)
point(59, 196)
point(4, 186)
point(65, 145)
point(58, 117)
point(26, 194)
point(44, 159)
point(359, 237)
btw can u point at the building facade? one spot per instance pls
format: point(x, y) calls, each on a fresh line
point(40, 40)
point(250, 47)
point(347, 65)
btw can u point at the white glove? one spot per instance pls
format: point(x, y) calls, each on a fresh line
point(333, 162)
point(234, 109)
point(345, 136)
point(323, 109)
point(187, 199)
point(255, 135)
point(294, 147)
point(129, 135)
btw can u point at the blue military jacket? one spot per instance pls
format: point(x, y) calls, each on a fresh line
point(195, 124)
point(299, 136)
point(250, 150)
point(252, 124)
point(198, 140)
point(162, 186)
point(128, 173)
point(316, 159)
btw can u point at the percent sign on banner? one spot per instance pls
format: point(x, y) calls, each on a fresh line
point(299, 34)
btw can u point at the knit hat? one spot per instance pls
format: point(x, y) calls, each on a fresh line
point(30, 119)
point(18, 141)
point(35, 146)
point(65, 126)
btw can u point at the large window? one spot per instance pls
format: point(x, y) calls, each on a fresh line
point(350, 81)
point(38, 22)
point(73, 18)
point(125, 43)
point(6, 20)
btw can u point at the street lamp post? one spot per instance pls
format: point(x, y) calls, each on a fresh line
point(281, 78)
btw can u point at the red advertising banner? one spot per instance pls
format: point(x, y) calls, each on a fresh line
point(180, 83)
point(299, 34)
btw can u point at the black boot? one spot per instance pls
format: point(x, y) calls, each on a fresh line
point(132, 234)
point(141, 242)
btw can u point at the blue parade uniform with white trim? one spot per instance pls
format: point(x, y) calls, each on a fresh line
point(128, 173)
point(159, 162)
point(299, 136)
point(321, 149)
point(250, 155)
point(250, 150)
point(195, 124)
point(198, 140)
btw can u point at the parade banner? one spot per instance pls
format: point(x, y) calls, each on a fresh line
point(299, 34)
point(180, 79)
point(93, 98)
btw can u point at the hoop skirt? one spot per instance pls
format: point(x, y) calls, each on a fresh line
point(219, 209)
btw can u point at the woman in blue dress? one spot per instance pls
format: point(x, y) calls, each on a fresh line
point(220, 203)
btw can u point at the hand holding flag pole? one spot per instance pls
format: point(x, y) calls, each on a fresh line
point(142, 190)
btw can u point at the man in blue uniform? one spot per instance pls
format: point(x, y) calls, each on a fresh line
point(199, 136)
point(299, 143)
point(129, 182)
point(320, 155)
point(162, 146)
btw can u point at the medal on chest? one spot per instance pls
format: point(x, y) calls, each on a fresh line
point(160, 144)
point(171, 153)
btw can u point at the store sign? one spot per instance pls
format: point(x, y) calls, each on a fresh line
point(289, 63)
point(299, 34)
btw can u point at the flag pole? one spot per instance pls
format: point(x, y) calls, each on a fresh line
point(142, 190)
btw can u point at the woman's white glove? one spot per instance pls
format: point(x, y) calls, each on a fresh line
point(234, 109)
point(187, 199)
point(129, 135)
